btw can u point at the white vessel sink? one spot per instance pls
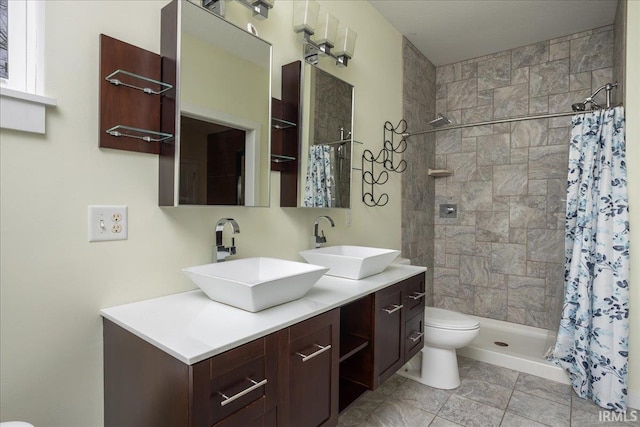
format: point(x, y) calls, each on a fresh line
point(351, 262)
point(254, 284)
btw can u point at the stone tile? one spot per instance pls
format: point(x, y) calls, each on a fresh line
point(469, 145)
point(420, 396)
point(474, 270)
point(585, 413)
point(485, 97)
point(545, 245)
point(548, 162)
point(441, 91)
point(537, 187)
point(484, 392)
point(528, 212)
point(498, 281)
point(529, 133)
point(510, 180)
point(448, 141)
point(519, 76)
point(592, 52)
point(494, 72)
point(502, 128)
point(462, 94)
point(452, 261)
point(477, 114)
point(441, 422)
point(460, 239)
point(530, 55)
point(518, 235)
point(516, 315)
point(512, 420)
point(470, 413)
point(439, 257)
point(538, 319)
point(508, 258)
point(463, 166)
point(561, 102)
point(477, 196)
point(559, 51)
point(559, 136)
point(493, 374)
point(500, 204)
point(454, 304)
point(397, 413)
point(494, 149)
point(547, 389)
point(477, 131)
point(441, 106)
point(600, 78)
point(491, 303)
point(526, 292)
point(554, 285)
point(549, 78)
point(492, 227)
point(510, 101)
point(539, 105)
point(484, 173)
point(445, 74)
point(446, 281)
point(537, 269)
point(469, 71)
point(556, 195)
point(538, 409)
point(580, 81)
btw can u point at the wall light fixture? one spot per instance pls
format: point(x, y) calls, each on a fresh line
point(328, 41)
point(260, 8)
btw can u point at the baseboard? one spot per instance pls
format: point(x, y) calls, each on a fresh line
point(634, 400)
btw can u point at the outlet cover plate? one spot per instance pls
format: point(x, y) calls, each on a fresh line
point(108, 222)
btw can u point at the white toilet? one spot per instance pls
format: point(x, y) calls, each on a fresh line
point(444, 332)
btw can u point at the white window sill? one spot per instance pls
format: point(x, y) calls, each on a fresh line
point(23, 111)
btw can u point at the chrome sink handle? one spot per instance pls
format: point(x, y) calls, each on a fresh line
point(320, 239)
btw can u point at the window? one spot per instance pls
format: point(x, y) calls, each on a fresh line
point(21, 65)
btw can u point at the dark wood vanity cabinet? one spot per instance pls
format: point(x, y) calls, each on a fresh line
point(310, 371)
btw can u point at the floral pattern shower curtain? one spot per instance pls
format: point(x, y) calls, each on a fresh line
point(319, 188)
point(592, 340)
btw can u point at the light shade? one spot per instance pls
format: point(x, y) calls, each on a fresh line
point(327, 29)
point(346, 43)
point(305, 16)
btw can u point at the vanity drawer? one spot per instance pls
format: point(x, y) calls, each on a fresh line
point(414, 336)
point(414, 296)
point(237, 387)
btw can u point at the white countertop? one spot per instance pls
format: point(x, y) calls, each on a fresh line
point(191, 327)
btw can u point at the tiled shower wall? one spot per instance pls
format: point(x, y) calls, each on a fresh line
point(502, 257)
point(418, 191)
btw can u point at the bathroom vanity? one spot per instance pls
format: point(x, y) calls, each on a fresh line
point(184, 360)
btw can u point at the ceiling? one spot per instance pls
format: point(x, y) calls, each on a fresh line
point(448, 31)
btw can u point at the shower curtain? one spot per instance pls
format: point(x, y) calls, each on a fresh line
point(592, 342)
point(319, 188)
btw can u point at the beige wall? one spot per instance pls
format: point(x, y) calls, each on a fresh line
point(54, 282)
point(632, 109)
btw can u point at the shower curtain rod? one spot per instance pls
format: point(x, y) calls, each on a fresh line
point(492, 122)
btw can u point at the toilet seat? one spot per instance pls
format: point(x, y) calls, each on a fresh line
point(446, 319)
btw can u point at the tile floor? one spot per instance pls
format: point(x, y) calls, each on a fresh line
point(488, 396)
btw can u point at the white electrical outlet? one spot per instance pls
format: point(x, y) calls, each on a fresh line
point(107, 223)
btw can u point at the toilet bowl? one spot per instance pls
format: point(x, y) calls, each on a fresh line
point(444, 331)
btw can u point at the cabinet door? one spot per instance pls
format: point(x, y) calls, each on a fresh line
point(389, 332)
point(237, 387)
point(312, 359)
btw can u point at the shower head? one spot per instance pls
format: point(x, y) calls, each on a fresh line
point(580, 106)
point(439, 121)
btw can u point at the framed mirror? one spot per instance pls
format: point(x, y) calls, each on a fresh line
point(219, 110)
point(326, 140)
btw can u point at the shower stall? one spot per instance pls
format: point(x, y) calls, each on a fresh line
point(502, 258)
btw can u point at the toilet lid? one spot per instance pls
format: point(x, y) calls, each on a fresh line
point(441, 318)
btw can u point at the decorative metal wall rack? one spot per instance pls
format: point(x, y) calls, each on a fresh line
point(390, 148)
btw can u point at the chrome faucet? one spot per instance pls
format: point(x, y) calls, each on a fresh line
point(221, 251)
point(320, 239)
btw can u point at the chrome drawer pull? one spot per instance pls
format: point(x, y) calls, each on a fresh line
point(417, 295)
point(226, 399)
point(312, 355)
point(394, 309)
point(417, 338)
